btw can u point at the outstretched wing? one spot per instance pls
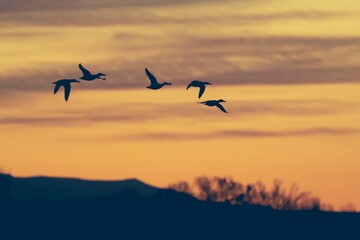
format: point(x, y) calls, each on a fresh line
point(67, 91)
point(221, 108)
point(190, 85)
point(151, 77)
point(201, 91)
point(84, 70)
point(57, 87)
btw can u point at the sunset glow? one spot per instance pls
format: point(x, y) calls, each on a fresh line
point(288, 70)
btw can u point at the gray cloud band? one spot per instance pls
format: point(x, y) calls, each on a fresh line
point(142, 111)
point(237, 134)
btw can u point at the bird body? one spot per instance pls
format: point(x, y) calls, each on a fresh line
point(215, 103)
point(88, 76)
point(199, 84)
point(66, 84)
point(154, 83)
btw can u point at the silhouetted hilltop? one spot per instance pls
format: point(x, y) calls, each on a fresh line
point(50, 188)
point(131, 209)
point(5, 186)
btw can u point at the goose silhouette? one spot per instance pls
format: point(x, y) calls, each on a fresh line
point(154, 83)
point(199, 84)
point(66, 84)
point(215, 103)
point(88, 76)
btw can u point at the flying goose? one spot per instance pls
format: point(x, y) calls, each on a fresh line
point(88, 76)
point(216, 103)
point(154, 83)
point(66, 84)
point(200, 84)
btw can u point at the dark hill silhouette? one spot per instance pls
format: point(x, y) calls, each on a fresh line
point(163, 214)
point(46, 188)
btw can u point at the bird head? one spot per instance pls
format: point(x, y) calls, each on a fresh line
point(74, 80)
point(101, 74)
point(207, 83)
point(221, 100)
point(166, 83)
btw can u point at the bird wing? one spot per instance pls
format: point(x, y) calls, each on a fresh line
point(151, 77)
point(201, 91)
point(67, 91)
point(190, 85)
point(57, 87)
point(84, 70)
point(221, 108)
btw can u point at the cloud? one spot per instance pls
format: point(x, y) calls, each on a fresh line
point(224, 61)
point(276, 41)
point(61, 121)
point(11, 35)
point(219, 72)
point(271, 59)
point(287, 75)
point(149, 112)
point(237, 134)
point(294, 107)
point(75, 5)
point(177, 55)
point(126, 17)
point(145, 12)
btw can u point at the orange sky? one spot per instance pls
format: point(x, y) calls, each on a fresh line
point(288, 71)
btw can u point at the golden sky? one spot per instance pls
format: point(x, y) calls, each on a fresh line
point(288, 70)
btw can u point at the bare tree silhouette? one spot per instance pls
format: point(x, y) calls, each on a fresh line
point(222, 189)
point(349, 207)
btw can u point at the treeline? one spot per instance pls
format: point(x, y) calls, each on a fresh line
point(222, 189)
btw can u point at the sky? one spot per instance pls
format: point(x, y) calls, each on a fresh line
point(289, 71)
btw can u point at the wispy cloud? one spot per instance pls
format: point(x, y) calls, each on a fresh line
point(75, 5)
point(134, 113)
point(237, 134)
point(233, 58)
point(240, 60)
point(114, 16)
point(54, 5)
